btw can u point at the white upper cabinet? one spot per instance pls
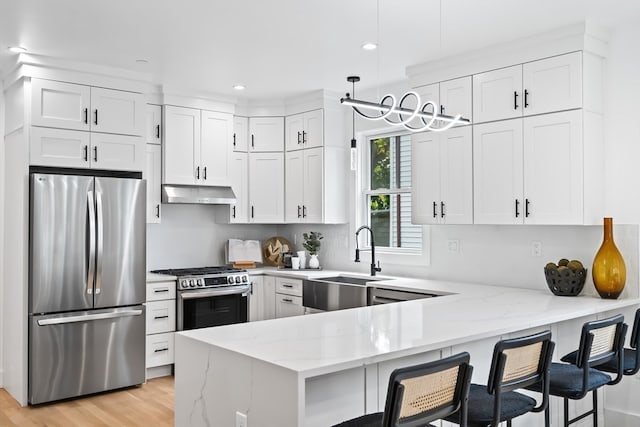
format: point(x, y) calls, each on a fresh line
point(544, 86)
point(304, 178)
point(117, 152)
point(216, 132)
point(441, 177)
point(497, 94)
point(239, 180)
point(530, 170)
point(304, 130)
point(154, 124)
point(294, 179)
point(153, 175)
point(115, 111)
point(181, 140)
point(266, 134)
point(79, 107)
point(553, 84)
point(266, 189)
point(497, 172)
point(240, 134)
point(60, 105)
point(451, 97)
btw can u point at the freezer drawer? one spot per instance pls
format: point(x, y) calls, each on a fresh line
point(85, 352)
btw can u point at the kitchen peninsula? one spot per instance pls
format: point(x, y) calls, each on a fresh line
point(320, 369)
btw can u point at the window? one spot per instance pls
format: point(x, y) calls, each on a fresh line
point(387, 193)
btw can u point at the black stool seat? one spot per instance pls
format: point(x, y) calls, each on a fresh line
point(566, 380)
point(629, 364)
point(481, 404)
point(369, 420)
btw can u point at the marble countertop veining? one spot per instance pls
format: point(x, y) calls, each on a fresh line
point(327, 342)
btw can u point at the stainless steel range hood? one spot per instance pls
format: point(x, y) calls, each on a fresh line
point(200, 195)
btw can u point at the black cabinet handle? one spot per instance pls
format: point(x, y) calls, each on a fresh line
point(252, 142)
point(96, 120)
point(435, 205)
point(158, 291)
point(515, 99)
point(526, 96)
point(158, 131)
point(86, 153)
point(287, 300)
point(442, 209)
point(299, 139)
point(252, 211)
point(287, 286)
point(95, 154)
point(198, 172)
point(160, 317)
point(441, 109)
point(86, 116)
point(234, 211)
point(158, 210)
point(304, 137)
point(304, 211)
point(299, 214)
point(204, 173)
point(526, 208)
point(160, 350)
point(234, 139)
point(517, 206)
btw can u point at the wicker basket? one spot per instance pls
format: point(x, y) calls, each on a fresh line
point(565, 282)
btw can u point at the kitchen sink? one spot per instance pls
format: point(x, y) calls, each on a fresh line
point(349, 280)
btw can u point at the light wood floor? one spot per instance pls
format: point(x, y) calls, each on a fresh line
point(148, 405)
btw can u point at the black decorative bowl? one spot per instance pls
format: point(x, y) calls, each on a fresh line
point(565, 282)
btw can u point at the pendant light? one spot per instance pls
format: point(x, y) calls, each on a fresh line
point(354, 151)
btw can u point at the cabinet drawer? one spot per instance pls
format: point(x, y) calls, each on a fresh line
point(157, 291)
point(160, 349)
point(161, 316)
point(287, 305)
point(289, 286)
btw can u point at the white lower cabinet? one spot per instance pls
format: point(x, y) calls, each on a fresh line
point(262, 304)
point(288, 297)
point(161, 325)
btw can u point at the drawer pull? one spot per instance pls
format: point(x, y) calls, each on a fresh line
point(287, 286)
point(287, 300)
point(160, 350)
point(157, 291)
point(161, 317)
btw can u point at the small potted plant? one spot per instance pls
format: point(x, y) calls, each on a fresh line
point(312, 244)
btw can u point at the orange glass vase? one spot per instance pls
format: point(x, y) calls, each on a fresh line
point(609, 272)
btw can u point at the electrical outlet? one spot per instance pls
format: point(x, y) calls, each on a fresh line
point(536, 248)
point(453, 246)
point(241, 419)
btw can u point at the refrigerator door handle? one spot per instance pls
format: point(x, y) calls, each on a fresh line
point(88, 317)
point(100, 242)
point(92, 242)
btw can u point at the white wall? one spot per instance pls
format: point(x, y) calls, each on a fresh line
point(189, 237)
point(1, 226)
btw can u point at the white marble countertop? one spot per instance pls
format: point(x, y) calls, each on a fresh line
point(332, 341)
point(155, 277)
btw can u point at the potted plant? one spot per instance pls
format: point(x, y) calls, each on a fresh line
point(312, 244)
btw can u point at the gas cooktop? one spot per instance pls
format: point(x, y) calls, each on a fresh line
point(207, 277)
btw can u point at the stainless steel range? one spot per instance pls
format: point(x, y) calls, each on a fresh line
point(210, 296)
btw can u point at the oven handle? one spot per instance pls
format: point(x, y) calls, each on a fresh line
point(204, 293)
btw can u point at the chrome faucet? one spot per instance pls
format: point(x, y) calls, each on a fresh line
point(373, 250)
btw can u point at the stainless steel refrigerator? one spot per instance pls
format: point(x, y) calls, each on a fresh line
point(86, 284)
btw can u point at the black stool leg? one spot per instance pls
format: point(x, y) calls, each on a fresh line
point(595, 407)
point(509, 423)
point(566, 412)
point(546, 416)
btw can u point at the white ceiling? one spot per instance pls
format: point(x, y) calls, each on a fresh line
point(279, 48)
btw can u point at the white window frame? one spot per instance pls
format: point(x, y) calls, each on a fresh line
point(399, 256)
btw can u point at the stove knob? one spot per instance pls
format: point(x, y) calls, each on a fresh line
point(245, 279)
point(192, 284)
point(200, 282)
point(230, 280)
point(237, 279)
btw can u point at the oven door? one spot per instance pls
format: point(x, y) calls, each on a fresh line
point(202, 308)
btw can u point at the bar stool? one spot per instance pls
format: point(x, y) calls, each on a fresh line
point(422, 393)
point(630, 357)
point(600, 342)
point(517, 363)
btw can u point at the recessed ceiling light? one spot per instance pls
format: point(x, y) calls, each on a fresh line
point(17, 49)
point(239, 87)
point(370, 46)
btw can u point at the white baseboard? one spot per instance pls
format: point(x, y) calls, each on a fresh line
point(615, 418)
point(159, 371)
